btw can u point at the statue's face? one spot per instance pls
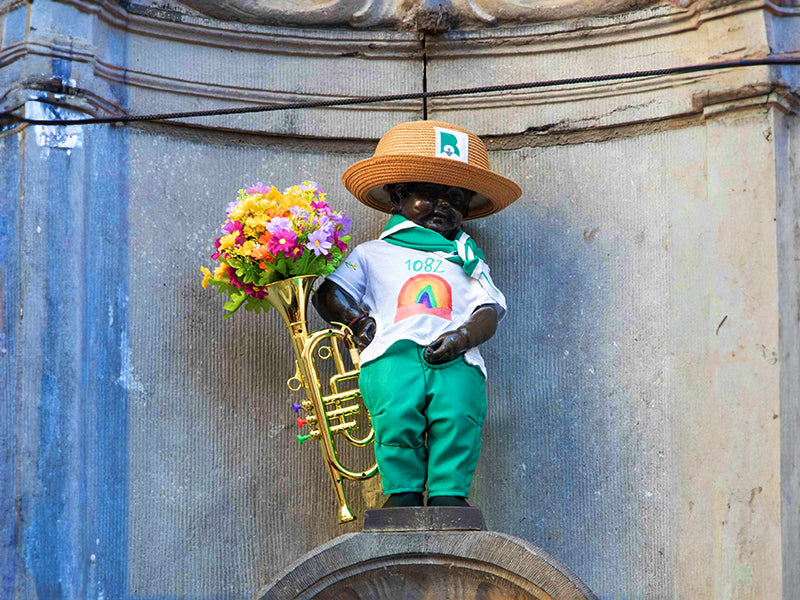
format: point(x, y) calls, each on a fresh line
point(440, 208)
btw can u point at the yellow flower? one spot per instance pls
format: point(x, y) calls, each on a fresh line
point(226, 241)
point(221, 269)
point(206, 276)
point(247, 247)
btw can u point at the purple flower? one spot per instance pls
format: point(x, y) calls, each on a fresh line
point(298, 212)
point(277, 223)
point(231, 206)
point(342, 220)
point(319, 241)
point(326, 224)
point(312, 186)
point(258, 188)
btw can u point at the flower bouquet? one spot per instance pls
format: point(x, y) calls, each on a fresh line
point(270, 236)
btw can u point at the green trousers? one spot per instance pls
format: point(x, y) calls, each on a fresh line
point(427, 420)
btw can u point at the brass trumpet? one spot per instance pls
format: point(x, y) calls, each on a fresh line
point(327, 415)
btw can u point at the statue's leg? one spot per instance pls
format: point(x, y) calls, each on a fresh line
point(393, 388)
point(456, 413)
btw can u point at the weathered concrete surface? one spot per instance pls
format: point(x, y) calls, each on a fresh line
point(427, 564)
point(642, 430)
point(64, 346)
point(634, 274)
point(787, 182)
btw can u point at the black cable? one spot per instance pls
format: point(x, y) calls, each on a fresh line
point(773, 61)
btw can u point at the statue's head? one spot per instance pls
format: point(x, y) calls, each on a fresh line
point(440, 208)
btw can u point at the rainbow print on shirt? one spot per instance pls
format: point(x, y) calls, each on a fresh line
point(425, 295)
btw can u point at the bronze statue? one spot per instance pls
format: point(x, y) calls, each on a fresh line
point(419, 301)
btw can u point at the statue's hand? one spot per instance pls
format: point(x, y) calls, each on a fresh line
point(448, 346)
point(363, 332)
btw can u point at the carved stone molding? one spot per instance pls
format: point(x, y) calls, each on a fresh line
point(404, 14)
point(427, 564)
point(410, 14)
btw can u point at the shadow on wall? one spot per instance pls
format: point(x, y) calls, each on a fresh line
point(546, 472)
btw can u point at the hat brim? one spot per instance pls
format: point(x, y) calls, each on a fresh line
point(365, 180)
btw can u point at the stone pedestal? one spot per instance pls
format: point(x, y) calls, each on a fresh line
point(427, 553)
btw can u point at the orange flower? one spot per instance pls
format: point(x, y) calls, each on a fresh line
point(259, 253)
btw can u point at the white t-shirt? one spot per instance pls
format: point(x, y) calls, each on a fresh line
point(411, 294)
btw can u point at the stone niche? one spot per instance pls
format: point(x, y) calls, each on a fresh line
point(643, 387)
point(427, 553)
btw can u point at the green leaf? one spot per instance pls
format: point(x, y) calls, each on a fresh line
point(234, 303)
point(282, 266)
point(257, 306)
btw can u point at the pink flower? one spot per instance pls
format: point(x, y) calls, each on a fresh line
point(231, 226)
point(321, 207)
point(339, 243)
point(233, 279)
point(282, 240)
point(258, 188)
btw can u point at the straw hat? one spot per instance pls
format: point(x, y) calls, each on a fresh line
point(431, 152)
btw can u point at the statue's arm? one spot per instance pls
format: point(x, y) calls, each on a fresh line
point(337, 306)
point(480, 326)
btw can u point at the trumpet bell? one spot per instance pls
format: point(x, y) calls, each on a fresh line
point(290, 298)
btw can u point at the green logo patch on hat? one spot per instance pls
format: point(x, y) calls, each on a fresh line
point(452, 144)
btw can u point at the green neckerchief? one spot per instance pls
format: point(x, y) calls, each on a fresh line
point(462, 251)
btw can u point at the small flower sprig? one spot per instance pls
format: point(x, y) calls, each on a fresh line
point(269, 236)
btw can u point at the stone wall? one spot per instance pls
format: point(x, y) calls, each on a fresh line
point(643, 388)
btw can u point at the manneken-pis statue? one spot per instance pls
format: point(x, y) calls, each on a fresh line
point(420, 301)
